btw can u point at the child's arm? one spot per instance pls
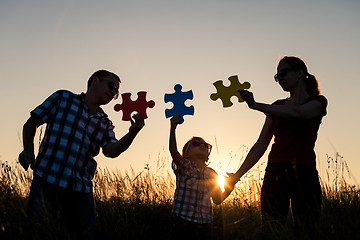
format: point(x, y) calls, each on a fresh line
point(217, 195)
point(176, 156)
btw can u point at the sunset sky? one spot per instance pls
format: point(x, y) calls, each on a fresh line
point(153, 45)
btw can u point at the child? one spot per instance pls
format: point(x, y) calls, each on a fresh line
point(196, 183)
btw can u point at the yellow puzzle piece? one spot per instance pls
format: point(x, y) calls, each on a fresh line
point(225, 93)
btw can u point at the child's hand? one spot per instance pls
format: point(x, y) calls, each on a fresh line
point(175, 121)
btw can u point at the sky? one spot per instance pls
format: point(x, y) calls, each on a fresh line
point(154, 45)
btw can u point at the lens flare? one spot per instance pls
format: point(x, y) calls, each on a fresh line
point(221, 182)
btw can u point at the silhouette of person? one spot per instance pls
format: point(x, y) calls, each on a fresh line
point(291, 174)
point(64, 168)
point(196, 185)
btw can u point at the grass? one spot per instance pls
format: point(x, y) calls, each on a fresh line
point(138, 206)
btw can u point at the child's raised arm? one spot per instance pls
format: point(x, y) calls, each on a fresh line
point(176, 156)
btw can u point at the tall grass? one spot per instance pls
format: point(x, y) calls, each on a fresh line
point(138, 206)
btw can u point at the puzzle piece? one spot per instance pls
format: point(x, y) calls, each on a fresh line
point(128, 106)
point(178, 98)
point(225, 93)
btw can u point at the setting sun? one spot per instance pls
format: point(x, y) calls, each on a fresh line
point(221, 182)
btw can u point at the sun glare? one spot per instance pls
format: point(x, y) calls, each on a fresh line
point(221, 182)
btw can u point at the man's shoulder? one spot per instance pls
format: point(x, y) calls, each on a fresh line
point(62, 94)
point(65, 96)
point(66, 93)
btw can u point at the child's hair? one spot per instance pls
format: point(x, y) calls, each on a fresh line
point(312, 85)
point(185, 148)
point(187, 144)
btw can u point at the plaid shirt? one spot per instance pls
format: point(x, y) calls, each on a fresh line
point(72, 138)
point(193, 192)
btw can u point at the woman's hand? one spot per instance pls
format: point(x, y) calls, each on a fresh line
point(248, 97)
point(232, 179)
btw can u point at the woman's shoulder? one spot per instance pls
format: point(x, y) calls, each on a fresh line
point(320, 98)
point(323, 100)
point(280, 101)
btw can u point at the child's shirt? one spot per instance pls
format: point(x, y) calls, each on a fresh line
point(193, 192)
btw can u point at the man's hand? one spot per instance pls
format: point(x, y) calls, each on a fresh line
point(136, 125)
point(26, 158)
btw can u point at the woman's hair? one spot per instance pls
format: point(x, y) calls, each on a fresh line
point(311, 83)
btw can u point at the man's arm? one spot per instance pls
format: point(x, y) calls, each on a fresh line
point(27, 156)
point(113, 150)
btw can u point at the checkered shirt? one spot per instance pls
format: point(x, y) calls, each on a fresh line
point(193, 192)
point(72, 138)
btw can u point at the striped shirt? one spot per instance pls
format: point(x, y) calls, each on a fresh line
point(193, 192)
point(72, 138)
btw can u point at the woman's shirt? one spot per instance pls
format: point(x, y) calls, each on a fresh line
point(193, 192)
point(295, 138)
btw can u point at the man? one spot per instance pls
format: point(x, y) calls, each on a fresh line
point(76, 129)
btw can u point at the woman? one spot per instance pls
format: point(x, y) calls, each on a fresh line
point(291, 170)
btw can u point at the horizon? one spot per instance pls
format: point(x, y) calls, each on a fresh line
point(58, 45)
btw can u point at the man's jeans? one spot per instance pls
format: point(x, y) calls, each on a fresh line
point(74, 210)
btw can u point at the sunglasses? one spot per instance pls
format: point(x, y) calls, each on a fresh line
point(196, 143)
point(113, 87)
point(282, 73)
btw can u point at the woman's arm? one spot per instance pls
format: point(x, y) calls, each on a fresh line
point(258, 149)
point(255, 153)
point(308, 110)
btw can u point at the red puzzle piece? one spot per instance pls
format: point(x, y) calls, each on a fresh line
point(128, 106)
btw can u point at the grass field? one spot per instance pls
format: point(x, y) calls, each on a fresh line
point(138, 206)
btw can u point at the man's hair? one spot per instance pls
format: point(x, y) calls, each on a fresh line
point(101, 74)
